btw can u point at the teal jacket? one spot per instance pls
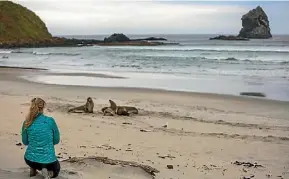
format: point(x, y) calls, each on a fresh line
point(41, 137)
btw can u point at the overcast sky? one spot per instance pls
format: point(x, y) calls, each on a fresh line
point(88, 17)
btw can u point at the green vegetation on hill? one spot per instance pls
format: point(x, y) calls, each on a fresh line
point(18, 23)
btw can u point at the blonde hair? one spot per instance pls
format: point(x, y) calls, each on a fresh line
point(36, 108)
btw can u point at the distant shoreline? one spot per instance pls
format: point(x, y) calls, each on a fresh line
point(113, 40)
point(78, 41)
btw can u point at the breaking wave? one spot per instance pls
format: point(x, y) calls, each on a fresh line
point(5, 51)
point(48, 53)
point(64, 54)
point(208, 49)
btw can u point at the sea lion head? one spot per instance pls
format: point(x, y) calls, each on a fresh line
point(89, 99)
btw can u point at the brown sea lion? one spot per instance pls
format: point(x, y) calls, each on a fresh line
point(123, 110)
point(87, 108)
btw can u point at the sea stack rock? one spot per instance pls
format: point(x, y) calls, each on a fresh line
point(117, 38)
point(19, 24)
point(255, 25)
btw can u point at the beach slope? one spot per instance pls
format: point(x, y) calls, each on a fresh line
point(205, 134)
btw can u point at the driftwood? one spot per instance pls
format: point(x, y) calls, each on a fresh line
point(87, 107)
point(109, 161)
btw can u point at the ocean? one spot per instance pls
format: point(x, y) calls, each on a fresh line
point(196, 65)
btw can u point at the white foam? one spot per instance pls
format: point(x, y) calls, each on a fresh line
point(5, 51)
point(209, 48)
point(40, 53)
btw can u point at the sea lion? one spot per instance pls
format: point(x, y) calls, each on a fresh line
point(107, 111)
point(123, 110)
point(87, 108)
point(128, 109)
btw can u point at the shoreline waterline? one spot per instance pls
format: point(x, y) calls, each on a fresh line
point(152, 82)
point(124, 82)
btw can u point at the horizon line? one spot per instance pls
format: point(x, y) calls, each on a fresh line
point(155, 34)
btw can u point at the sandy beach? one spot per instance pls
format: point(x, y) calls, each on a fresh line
point(205, 135)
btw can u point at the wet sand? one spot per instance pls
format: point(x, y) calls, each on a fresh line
point(205, 133)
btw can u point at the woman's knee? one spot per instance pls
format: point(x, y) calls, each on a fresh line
point(33, 165)
point(56, 169)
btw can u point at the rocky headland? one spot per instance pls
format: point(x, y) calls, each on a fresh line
point(18, 23)
point(65, 42)
point(255, 25)
point(20, 27)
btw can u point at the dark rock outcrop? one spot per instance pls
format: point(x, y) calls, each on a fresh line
point(255, 94)
point(51, 42)
point(64, 42)
point(122, 40)
point(230, 37)
point(151, 39)
point(134, 43)
point(155, 39)
point(116, 38)
point(255, 25)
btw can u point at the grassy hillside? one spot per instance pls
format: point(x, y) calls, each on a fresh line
point(18, 23)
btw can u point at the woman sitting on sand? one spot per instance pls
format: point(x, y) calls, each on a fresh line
point(40, 133)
